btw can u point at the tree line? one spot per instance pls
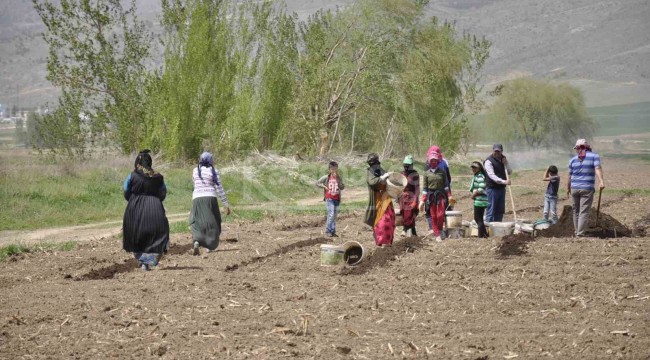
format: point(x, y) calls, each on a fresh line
point(377, 75)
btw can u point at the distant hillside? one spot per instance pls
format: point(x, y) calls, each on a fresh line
point(600, 46)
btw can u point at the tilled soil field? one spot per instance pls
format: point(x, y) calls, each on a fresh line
point(264, 295)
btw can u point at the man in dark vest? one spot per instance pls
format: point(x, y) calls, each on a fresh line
point(496, 166)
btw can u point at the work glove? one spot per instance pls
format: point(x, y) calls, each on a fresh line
point(452, 201)
point(384, 177)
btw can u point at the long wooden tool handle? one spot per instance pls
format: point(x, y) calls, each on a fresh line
point(512, 200)
point(600, 192)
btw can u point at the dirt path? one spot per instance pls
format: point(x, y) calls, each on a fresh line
point(106, 229)
point(86, 232)
point(353, 194)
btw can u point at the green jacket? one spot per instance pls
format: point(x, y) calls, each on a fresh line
point(478, 183)
point(374, 184)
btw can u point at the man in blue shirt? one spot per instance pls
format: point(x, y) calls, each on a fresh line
point(583, 170)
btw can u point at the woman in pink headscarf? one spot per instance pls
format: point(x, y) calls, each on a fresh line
point(443, 165)
point(436, 194)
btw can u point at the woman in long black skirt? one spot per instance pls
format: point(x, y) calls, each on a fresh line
point(145, 226)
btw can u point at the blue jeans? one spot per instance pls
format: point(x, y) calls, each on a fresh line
point(550, 206)
point(496, 204)
point(332, 210)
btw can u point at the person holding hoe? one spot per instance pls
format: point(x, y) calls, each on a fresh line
point(497, 170)
point(583, 170)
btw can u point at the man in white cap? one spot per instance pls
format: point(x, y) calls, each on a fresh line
point(583, 170)
point(496, 166)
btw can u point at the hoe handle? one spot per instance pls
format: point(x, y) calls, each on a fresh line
point(512, 200)
point(600, 192)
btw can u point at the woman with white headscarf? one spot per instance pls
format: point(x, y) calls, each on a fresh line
point(205, 217)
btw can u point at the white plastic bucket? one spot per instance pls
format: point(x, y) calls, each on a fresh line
point(331, 254)
point(523, 226)
point(541, 225)
point(473, 229)
point(454, 219)
point(455, 233)
point(501, 228)
point(353, 253)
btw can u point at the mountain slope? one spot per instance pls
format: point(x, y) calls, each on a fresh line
point(600, 46)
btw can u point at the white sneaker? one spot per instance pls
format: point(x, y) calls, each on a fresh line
point(403, 233)
point(438, 239)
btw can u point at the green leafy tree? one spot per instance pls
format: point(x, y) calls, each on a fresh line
point(226, 83)
point(243, 75)
point(33, 135)
point(97, 50)
point(538, 113)
point(411, 81)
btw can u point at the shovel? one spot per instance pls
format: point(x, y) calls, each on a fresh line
point(512, 200)
point(600, 192)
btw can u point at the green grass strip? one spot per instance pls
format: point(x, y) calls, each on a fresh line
point(15, 249)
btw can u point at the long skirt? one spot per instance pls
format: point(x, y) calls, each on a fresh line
point(205, 222)
point(408, 204)
point(384, 229)
point(437, 214)
point(145, 226)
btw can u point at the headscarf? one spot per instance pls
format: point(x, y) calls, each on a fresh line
point(206, 160)
point(477, 164)
point(143, 163)
point(433, 156)
point(435, 149)
point(373, 159)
